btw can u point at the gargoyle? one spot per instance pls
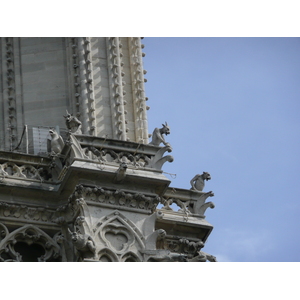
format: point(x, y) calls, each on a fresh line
point(198, 182)
point(84, 244)
point(73, 124)
point(157, 135)
point(203, 257)
point(121, 173)
point(157, 236)
point(56, 144)
point(171, 257)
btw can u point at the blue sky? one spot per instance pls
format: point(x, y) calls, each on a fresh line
point(233, 106)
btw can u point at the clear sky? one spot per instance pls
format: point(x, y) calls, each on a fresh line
point(233, 105)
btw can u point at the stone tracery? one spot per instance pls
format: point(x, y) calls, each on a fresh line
point(39, 246)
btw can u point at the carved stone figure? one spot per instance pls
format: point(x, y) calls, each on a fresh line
point(198, 182)
point(56, 142)
point(121, 173)
point(73, 124)
point(83, 243)
point(157, 135)
point(170, 257)
point(203, 257)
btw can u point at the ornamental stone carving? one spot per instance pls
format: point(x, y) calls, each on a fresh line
point(198, 181)
point(25, 171)
point(121, 173)
point(158, 135)
point(114, 197)
point(157, 161)
point(18, 211)
point(73, 124)
point(84, 245)
point(27, 243)
point(56, 142)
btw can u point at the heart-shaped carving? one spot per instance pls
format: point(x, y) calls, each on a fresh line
point(117, 239)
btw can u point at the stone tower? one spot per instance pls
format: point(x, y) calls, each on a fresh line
point(98, 80)
point(78, 179)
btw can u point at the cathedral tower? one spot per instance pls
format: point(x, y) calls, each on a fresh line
point(78, 179)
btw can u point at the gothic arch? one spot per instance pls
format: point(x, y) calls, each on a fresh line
point(106, 255)
point(119, 234)
point(130, 257)
point(28, 243)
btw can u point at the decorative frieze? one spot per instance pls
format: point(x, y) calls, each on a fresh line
point(116, 198)
point(184, 246)
point(24, 212)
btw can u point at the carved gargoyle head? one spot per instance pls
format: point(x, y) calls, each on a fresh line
point(68, 116)
point(72, 123)
point(52, 132)
point(123, 166)
point(74, 236)
point(165, 129)
point(206, 176)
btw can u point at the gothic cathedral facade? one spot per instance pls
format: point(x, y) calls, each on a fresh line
point(79, 180)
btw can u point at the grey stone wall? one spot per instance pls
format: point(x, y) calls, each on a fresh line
point(99, 80)
point(45, 80)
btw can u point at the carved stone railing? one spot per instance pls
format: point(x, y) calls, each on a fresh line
point(186, 230)
point(26, 167)
point(109, 151)
point(189, 202)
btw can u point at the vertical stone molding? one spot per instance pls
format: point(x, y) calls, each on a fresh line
point(2, 98)
point(90, 87)
point(83, 86)
point(138, 90)
point(87, 98)
point(9, 94)
point(114, 56)
point(82, 80)
point(72, 63)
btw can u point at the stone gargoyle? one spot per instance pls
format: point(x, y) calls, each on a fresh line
point(121, 173)
point(203, 257)
point(84, 244)
point(73, 124)
point(157, 135)
point(198, 181)
point(56, 144)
